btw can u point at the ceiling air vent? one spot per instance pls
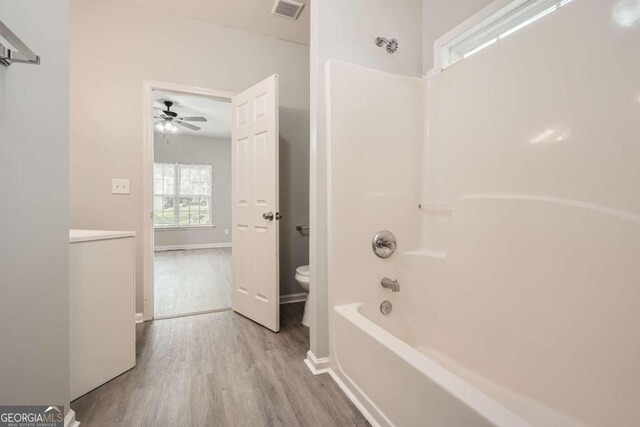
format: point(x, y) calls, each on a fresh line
point(287, 8)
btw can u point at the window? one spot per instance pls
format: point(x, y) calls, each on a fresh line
point(181, 195)
point(511, 17)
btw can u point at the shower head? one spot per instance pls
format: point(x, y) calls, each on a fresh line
point(391, 45)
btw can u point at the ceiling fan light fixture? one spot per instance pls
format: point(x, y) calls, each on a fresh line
point(170, 121)
point(167, 126)
point(170, 127)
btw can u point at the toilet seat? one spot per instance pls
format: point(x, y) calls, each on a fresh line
point(303, 271)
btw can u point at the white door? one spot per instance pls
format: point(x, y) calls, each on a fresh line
point(255, 280)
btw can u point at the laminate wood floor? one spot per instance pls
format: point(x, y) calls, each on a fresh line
point(191, 281)
point(219, 369)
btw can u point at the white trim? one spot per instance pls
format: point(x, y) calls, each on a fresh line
point(81, 235)
point(314, 164)
point(352, 397)
point(139, 318)
point(317, 365)
point(184, 227)
point(187, 247)
point(318, 164)
point(70, 419)
point(291, 298)
point(148, 86)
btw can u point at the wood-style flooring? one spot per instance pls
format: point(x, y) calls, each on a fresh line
point(219, 369)
point(191, 281)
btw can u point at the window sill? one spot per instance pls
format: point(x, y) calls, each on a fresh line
point(185, 227)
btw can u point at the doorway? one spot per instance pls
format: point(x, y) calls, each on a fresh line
point(179, 198)
point(191, 204)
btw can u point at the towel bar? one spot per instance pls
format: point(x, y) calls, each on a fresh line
point(19, 53)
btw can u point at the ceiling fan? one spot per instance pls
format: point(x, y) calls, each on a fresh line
point(169, 120)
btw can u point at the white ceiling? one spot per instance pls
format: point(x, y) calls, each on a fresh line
point(249, 15)
point(217, 113)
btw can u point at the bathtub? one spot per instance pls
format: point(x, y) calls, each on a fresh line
point(393, 383)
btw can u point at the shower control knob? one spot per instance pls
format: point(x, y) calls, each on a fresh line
point(384, 244)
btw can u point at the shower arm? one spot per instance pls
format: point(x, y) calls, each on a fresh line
point(391, 45)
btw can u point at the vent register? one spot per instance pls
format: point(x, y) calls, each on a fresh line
point(287, 9)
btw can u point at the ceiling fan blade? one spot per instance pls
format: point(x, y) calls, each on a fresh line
point(187, 125)
point(193, 119)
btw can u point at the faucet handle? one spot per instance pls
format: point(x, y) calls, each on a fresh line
point(384, 244)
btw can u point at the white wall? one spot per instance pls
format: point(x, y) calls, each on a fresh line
point(439, 17)
point(375, 142)
point(534, 141)
point(115, 47)
point(181, 148)
point(34, 184)
point(346, 30)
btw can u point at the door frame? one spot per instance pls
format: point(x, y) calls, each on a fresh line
point(148, 86)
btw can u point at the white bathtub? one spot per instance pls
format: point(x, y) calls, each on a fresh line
point(517, 261)
point(394, 383)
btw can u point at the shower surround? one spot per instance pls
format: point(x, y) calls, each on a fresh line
point(510, 183)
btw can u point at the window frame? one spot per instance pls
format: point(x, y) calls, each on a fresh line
point(488, 26)
point(177, 196)
point(163, 194)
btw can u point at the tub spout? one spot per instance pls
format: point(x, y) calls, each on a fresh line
point(391, 284)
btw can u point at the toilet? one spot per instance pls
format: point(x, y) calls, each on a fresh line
point(302, 277)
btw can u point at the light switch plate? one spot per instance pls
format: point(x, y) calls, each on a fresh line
point(119, 186)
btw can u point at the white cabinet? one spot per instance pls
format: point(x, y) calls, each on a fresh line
point(101, 307)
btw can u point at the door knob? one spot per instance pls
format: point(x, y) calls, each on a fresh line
point(269, 216)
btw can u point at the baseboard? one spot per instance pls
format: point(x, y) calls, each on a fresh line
point(70, 419)
point(185, 247)
point(352, 397)
point(139, 317)
point(317, 365)
point(291, 298)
